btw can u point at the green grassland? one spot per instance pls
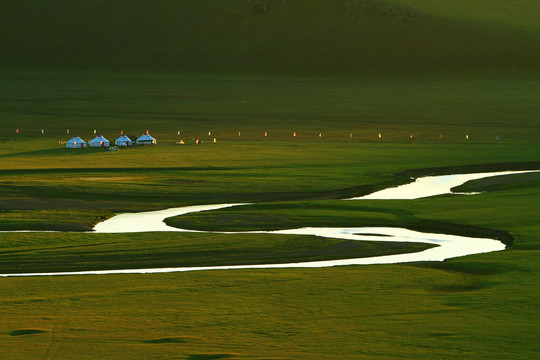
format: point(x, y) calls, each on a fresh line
point(77, 188)
point(463, 308)
point(39, 174)
point(483, 306)
point(232, 70)
point(60, 252)
point(482, 107)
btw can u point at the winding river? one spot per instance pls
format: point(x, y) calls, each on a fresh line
point(448, 246)
point(431, 186)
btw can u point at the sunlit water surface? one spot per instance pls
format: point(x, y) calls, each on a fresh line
point(431, 186)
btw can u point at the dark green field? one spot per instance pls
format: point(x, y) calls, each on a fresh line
point(274, 36)
point(453, 106)
point(461, 77)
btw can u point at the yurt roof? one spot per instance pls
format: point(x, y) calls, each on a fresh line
point(76, 139)
point(124, 137)
point(99, 138)
point(146, 137)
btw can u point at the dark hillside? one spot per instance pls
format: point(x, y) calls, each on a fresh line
point(276, 36)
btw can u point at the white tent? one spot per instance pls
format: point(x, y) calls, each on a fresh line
point(99, 141)
point(76, 142)
point(146, 139)
point(123, 141)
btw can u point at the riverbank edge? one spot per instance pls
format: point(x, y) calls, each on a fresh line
point(400, 178)
point(408, 176)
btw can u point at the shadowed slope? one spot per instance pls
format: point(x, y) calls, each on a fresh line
point(358, 36)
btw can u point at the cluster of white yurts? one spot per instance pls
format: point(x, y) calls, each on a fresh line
point(100, 141)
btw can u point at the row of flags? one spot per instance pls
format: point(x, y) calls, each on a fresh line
point(95, 131)
point(265, 134)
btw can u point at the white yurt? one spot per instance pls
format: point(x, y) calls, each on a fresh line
point(146, 140)
point(123, 141)
point(99, 141)
point(75, 143)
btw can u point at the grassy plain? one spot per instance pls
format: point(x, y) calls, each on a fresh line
point(60, 252)
point(481, 306)
point(216, 68)
point(498, 114)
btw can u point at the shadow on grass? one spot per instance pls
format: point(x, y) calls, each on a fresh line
point(469, 267)
point(462, 288)
point(210, 356)
point(55, 152)
point(25, 332)
point(173, 340)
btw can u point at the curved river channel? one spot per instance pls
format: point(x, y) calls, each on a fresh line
point(448, 246)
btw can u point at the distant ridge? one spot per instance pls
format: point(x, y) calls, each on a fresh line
point(272, 36)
